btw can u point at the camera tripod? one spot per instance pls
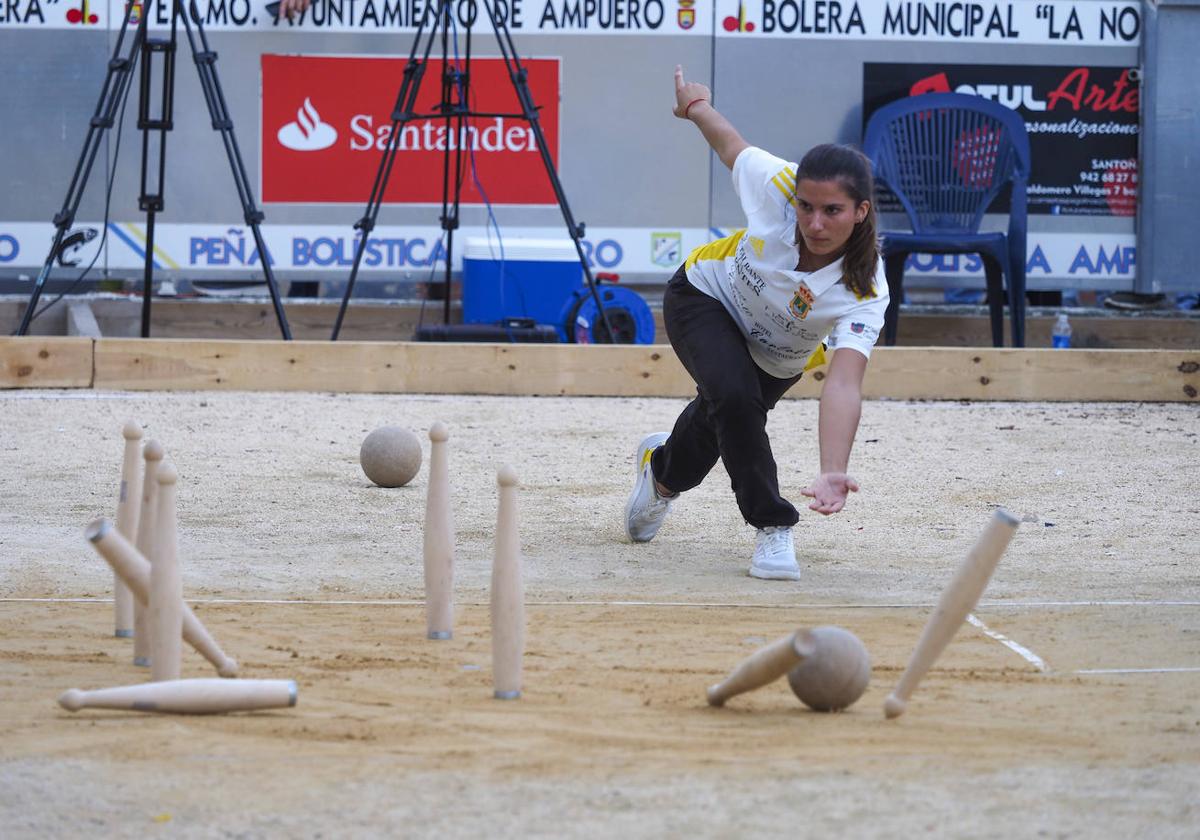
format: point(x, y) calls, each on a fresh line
point(454, 108)
point(155, 54)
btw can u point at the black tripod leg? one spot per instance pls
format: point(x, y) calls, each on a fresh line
point(414, 71)
point(112, 95)
point(455, 107)
point(214, 97)
point(519, 77)
point(154, 128)
point(148, 274)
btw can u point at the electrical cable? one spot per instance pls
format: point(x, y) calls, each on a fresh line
point(492, 222)
point(112, 178)
point(429, 283)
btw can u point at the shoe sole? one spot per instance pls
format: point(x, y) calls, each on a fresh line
point(765, 574)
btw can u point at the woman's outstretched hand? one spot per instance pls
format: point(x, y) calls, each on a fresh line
point(829, 492)
point(290, 8)
point(688, 94)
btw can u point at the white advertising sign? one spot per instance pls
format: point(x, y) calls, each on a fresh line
point(1056, 22)
point(203, 251)
point(1082, 23)
point(521, 17)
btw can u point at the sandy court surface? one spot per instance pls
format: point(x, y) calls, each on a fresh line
point(397, 735)
point(272, 502)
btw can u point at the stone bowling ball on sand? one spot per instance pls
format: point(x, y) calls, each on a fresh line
point(836, 674)
point(390, 456)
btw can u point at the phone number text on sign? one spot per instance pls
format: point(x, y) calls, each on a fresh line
point(1113, 180)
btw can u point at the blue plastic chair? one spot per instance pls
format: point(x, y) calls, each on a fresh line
point(946, 156)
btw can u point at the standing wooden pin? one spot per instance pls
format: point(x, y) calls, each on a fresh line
point(152, 452)
point(128, 502)
point(166, 585)
point(439, 540)
point(508, 594)
point(958, 598)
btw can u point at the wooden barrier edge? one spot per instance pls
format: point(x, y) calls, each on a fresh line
point(47, 362)
point(627, 370)
point(932, 373)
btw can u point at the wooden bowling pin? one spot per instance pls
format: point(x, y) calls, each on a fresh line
point(439, 540)
point(508, 594)
point(152, 452)
point(134, 570)
point(192, 697)
point(128, 503)
point(765, 665)
point(828, 668)
point(166, 584)
point(958, 598)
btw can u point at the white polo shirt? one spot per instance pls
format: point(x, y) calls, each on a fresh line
point(786, 315)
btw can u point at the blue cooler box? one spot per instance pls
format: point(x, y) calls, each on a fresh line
point(534, 280)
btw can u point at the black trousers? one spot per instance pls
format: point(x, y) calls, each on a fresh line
point(728, 417)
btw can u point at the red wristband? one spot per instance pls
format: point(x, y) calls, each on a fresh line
point(690, 104)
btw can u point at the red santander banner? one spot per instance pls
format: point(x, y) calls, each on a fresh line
point(326, 121)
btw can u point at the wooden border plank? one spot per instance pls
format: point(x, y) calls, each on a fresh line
point(1034, 375)
point(390, 367)
point(626, 370)
point(40, 361)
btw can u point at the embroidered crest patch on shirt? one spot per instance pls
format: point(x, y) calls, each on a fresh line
point(856, 327)
point(802, 302)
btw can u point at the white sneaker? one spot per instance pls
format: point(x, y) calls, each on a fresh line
point(774, 555)
point(646, 509)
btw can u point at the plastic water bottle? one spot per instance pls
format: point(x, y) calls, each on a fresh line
point(1060, 336)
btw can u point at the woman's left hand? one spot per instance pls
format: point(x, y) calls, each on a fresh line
point(689, 95)
point(829, 492)
point(290, 8)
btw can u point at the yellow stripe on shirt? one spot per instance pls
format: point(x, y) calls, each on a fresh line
point(785, 182)
point(816, 359)
point(782, 187)
point(718, 249)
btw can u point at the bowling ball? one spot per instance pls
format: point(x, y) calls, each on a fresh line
point(836, 675)
point(390, 456)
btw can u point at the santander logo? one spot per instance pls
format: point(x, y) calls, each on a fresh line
point(307, 133)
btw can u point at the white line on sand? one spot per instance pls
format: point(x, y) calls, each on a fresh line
point(383, 602)
point(1022, 651)
point(1139, 671)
